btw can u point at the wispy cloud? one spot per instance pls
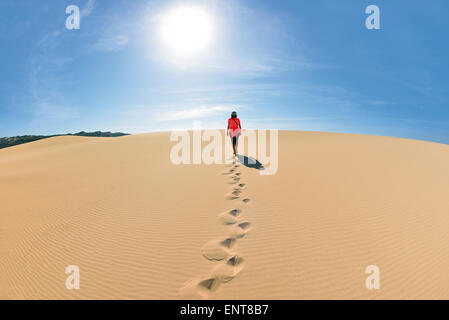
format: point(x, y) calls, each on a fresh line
point(195, 113)
point(111, 43)
point(380, 102)
point(87, 9)
point(50, 111)
point(48, 40)
point(48, 102)
point(292, 119)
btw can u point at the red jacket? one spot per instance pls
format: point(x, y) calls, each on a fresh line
point(234, 126)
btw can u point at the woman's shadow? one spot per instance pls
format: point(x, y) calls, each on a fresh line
point(250, 162)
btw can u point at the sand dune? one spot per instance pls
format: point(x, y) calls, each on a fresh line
point(140, 227)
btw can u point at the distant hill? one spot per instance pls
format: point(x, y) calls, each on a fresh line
point(99, 134)
point(13, 141)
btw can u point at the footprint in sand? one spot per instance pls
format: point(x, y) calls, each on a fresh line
point(234, 180)
point(191, 290)
point(246, 200)
point(231, 197)
point(244, 225)
point(222, 273)
point(215, 250)
point(225, 272)
point(211, 284)
point(227, 219)
point(238, 231)
point(232, 171)
point(236, 192)
point(235, 261)
point(228, 242)
point(235, 212)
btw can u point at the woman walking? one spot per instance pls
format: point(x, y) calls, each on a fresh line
point(234, 130)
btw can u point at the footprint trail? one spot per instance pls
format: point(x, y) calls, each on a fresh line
point(222, 252)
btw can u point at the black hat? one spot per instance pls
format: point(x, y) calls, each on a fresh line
point(234, 114)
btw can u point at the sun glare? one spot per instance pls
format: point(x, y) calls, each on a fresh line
point(187, 30)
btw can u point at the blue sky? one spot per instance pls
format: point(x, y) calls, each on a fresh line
point(299, 65)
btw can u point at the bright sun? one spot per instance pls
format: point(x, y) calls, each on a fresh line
point(187, 30)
